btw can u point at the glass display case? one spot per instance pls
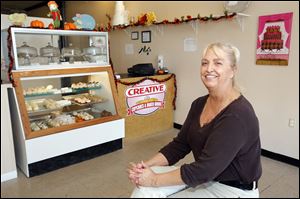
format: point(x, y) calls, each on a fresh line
point(63, 104)
point(64, 116)
point(58, 100)
point(50, 48)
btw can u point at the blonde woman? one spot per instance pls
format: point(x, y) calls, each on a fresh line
point(222, 132)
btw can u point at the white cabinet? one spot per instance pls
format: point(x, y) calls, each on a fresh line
point(8, 162)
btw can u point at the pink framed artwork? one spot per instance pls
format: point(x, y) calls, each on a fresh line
point(274, 39)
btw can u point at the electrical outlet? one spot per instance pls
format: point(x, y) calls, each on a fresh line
point(291, 122)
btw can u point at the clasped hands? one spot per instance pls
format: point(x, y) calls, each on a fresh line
point(140, 174)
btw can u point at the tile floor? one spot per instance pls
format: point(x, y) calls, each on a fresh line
point(105, 176)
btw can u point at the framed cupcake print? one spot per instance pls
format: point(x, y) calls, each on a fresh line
point(274, 39)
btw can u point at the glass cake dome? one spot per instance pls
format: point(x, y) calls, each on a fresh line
point(50, 52)
point(26, 52)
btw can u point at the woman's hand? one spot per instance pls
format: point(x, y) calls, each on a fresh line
point(133, 172)
point(147, 177)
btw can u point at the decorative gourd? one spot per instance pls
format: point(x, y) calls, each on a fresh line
point(72, 26)
point(37, 24)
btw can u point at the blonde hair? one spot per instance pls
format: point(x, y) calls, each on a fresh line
point(232, 53)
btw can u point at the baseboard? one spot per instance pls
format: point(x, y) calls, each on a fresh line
point(177, 126)
point(9, 176)
point(279, 157)
point(266, 153)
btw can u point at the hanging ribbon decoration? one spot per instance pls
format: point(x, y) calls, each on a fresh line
point(176, 21)
point(157, 80)
point(11, 59)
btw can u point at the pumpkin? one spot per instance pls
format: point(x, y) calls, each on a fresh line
point(51, 26)
point(70, 26)
point(37, 24)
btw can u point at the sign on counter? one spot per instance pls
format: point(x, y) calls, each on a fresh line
point(145, 98)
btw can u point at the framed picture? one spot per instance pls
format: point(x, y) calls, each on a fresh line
point(134, 35)
point(274, 39)
point(146, 36)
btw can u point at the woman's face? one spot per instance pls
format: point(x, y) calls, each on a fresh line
point(216, 71)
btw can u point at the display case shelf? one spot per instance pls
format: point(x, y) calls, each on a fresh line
point(49, 111)
point(74, 91)
point(43, 112)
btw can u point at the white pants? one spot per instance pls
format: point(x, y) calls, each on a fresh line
point(205, 190)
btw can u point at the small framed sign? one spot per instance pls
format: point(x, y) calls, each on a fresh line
point(135, 35)
point(146, 36)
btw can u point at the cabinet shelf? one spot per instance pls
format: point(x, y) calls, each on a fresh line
point(77, 90)
point(88, 104)
point(64, 109)
point(43, 112)
point(75, 114)
point(74, 91)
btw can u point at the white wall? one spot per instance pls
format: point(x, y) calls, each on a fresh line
point(272, 90)
point(8, 165)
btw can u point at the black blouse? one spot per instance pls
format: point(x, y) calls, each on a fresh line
point(225, 149)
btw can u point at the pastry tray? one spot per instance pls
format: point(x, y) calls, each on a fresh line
point(72, 97)
point(43, 112)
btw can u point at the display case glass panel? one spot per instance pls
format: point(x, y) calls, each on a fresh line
point(63, 100)
point(51, 49)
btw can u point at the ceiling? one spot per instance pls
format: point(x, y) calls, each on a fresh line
point(9, 7)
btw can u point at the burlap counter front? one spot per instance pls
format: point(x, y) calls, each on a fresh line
point(137, 125)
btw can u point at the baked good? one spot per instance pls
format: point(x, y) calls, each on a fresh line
point(105, 113)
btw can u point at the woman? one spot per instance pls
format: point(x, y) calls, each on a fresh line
point(221, 130)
